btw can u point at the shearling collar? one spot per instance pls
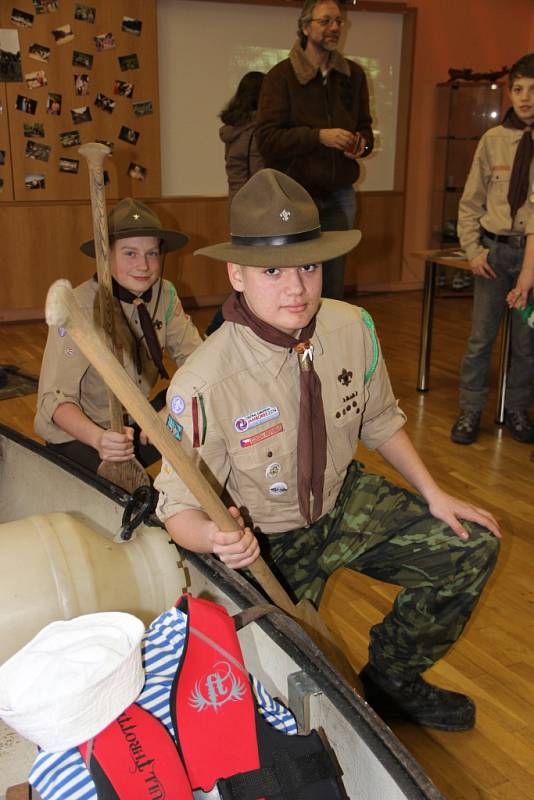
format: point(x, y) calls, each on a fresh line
point(305, 71)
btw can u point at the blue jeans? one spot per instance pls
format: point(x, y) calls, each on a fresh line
point(336, 213)
point(488, 309)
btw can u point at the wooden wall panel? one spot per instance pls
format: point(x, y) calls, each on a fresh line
point(6, 184)
point(40, 243)
point(102, 75)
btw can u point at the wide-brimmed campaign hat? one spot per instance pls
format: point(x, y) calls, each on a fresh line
point(132, 218)
point(73, 679)
point(275, 223)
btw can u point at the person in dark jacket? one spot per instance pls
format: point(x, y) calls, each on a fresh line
point(314, 122)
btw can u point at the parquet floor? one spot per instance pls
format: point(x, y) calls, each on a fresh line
point(494, 660)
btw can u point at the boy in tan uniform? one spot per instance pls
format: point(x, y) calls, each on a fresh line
point(272, 406)
point(72, 404)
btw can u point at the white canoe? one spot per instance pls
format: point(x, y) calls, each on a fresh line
point(59, 559)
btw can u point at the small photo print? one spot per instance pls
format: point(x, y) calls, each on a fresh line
point(2, 157)
point(10, 63)
point(39, 52)
point(81, 84)
point(34, 129)
point(45, 6)
point(21, 18)
point(131, 25)
point(35, 150)
point(109, 144)
point(85, 13)
point(26, 104)
point(123, 88)
point(63, 34)
point(84, 60)
point(68, 165)
point(128, 135)
point(35, 182)
point(53, 104)
point(129, 62)
point(136, 171)
point(34, 80)
point(143, 108)
point(104, 103)
point(104, 41)
point(69, 139)
point(79, 115)
point(1, 185)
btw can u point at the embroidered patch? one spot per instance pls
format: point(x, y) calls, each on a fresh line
point(175, 428)
point(260, 437)
point(61, 331)
point(278, 488)
point(177, 405)
point(272, 470)
point(69, 351)
point(345, 377)
point(219, 687)
point(242, 424)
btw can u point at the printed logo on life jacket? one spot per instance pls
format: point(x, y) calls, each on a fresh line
point(217, 688)
point(141, 760)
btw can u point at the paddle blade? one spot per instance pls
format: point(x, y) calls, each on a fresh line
point(129, 475)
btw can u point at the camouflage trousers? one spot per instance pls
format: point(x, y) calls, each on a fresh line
point(388, 533)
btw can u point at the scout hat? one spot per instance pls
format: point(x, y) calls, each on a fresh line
point(73, 679)
point(275, 223)
point(132, 218)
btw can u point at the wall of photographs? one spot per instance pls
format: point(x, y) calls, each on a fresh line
point(72, 73)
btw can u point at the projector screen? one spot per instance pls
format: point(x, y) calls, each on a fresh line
point(205, 48)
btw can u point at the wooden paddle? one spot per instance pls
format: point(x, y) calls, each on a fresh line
point(63, 310)
point(129, 475)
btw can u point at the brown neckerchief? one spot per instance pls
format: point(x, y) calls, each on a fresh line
point(519, 179)
point(311, 439)
point(147, 326)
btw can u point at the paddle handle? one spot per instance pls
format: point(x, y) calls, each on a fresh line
point(63, 310)
point(95, 153)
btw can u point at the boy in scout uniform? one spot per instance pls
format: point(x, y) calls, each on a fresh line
point(495, 214)
point(72, 404)
point(272, 406)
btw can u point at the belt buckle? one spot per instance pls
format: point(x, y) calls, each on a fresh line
point(213, 794)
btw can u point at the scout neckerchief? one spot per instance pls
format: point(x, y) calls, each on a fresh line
point(147, 326)
point(519, 179)
point(311, 441)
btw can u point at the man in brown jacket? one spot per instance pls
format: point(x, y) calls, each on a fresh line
point(272, 406)
point(314, 123)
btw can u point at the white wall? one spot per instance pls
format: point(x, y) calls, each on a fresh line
point(205, 48)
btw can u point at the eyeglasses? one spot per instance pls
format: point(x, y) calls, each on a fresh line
point(325, 22)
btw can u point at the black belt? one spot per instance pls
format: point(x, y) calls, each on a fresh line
point(514, 240)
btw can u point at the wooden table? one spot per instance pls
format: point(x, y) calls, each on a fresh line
point(433, 259)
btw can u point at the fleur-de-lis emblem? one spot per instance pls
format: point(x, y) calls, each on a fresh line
point(136, 216)
point(158, 324)
point(345, 377)
point(285, 214)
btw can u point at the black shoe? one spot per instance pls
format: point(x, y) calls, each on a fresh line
point(417, 701)
point(520, 426)
point(465, 429)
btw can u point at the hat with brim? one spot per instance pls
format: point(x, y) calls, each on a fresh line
point(73, 679)
point(275, 223)
point(131, 218)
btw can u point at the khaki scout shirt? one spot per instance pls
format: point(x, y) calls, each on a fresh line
point(484, 202)
point(247, 408)
point(68, 377)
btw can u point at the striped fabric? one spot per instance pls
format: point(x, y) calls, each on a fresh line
point(64, 776)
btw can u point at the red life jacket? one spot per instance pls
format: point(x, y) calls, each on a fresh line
point(225, 748)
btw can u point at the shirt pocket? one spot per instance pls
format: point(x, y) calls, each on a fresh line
point(344, 423)
point(266, 469)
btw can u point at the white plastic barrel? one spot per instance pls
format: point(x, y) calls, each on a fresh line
point(55, 566)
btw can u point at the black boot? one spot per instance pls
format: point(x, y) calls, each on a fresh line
point(417, 701)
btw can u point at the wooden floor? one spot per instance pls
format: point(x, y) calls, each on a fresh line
point(494, 660)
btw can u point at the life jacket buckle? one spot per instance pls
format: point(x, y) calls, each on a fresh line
point(213, 794)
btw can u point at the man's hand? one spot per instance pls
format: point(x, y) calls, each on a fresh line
point(517, 298)
point(236, 549)
point(480, 266)
point(337, 138)
point(451, 511)
point(113, 446)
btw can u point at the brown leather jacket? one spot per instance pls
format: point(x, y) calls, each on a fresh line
point(295, 103)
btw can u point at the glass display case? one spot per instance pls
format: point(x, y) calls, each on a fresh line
point(465, 110)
